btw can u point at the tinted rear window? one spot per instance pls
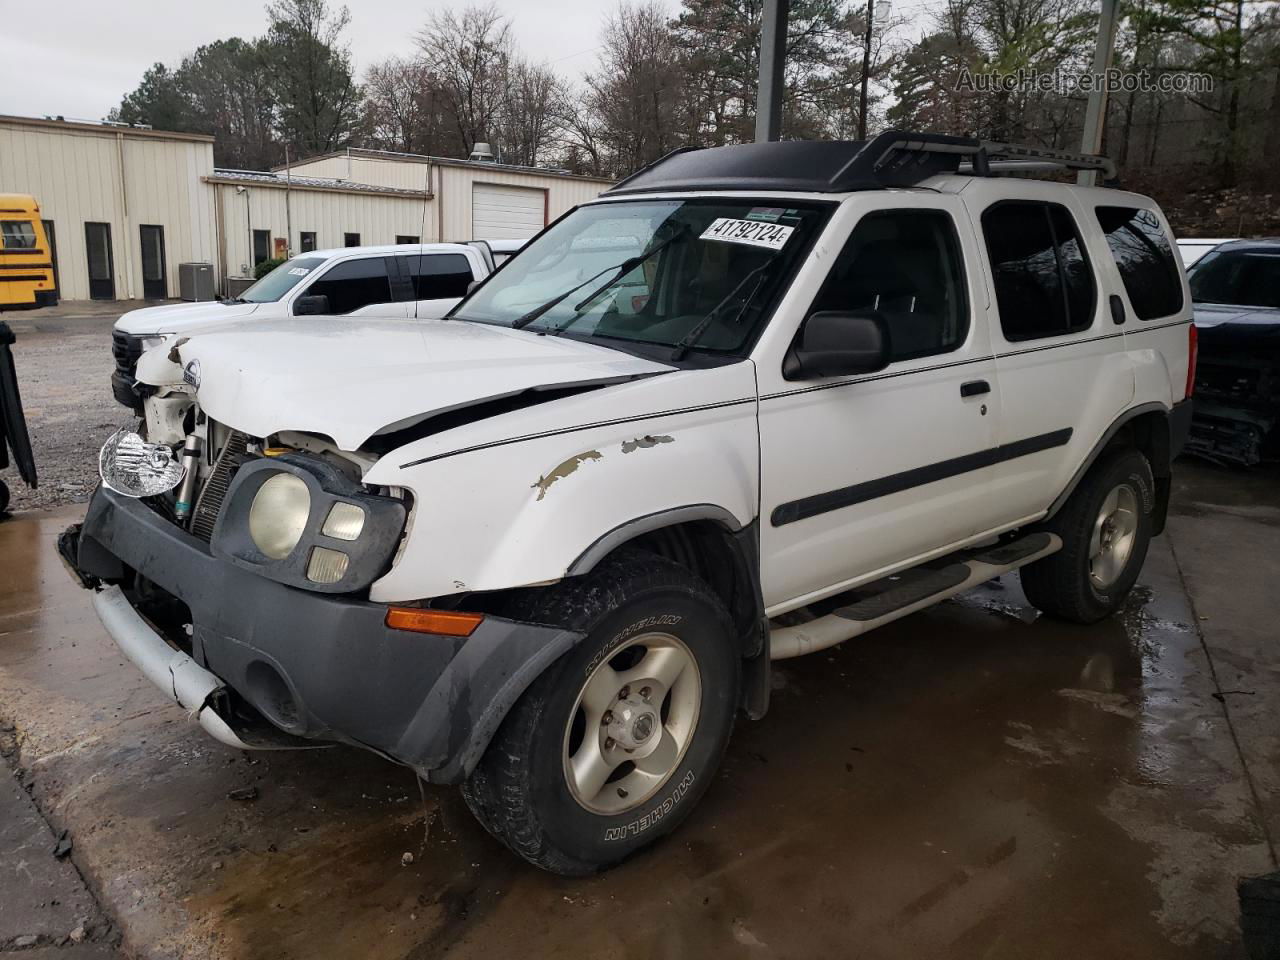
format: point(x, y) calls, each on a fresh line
point(1044, 284)
point(1145, 259)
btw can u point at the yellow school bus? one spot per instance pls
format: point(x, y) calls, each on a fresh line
point(26, 259)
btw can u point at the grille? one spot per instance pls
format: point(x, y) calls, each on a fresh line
point(125, 350)
point(209, 503)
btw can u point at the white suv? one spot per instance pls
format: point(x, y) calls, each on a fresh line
point(548, 546)
point(422, 280)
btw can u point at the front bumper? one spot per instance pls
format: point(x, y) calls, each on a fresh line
point(317, 666)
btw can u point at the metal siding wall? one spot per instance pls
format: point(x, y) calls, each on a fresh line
point(329, 214)
point(456, 184)
point(73, 177)
point(162, 179)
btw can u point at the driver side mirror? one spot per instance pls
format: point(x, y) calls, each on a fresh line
point(838, 343)
point(313, 304)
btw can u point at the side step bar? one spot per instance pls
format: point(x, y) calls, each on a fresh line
point(916, 589)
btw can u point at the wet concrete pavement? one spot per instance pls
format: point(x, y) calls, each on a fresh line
point(971, 782)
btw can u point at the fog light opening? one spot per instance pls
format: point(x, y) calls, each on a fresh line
point(272, 696)
point(344, 522)
point(327, 566)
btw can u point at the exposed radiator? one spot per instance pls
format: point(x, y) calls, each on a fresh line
point(209, 503)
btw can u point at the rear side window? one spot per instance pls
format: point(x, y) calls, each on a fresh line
point(1145, 260)
point(1044, 284)
point(906, 266)
point(354, 284)
point(436, 276)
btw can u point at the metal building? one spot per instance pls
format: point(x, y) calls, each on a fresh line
point(122, 207)
point(125, 206)
point(474, 200)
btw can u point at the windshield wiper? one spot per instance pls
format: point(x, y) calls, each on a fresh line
point(692, 337)
point(619, 271)
point(228, 301)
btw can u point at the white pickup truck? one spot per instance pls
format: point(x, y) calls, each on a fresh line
point(752, 402)
point(403, 280)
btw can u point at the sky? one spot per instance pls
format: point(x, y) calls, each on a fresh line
point(78, 58)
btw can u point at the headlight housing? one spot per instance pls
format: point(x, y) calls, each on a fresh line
point(278, 514)
point(301, 521)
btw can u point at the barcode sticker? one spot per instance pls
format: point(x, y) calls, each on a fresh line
point(754, 233)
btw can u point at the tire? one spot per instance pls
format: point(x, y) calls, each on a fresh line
point(4, 494)
point(525, 789)
point(1086, 580)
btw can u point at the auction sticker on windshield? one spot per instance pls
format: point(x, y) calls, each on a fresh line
point(754, 233)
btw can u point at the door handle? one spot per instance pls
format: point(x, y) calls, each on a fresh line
point(974, 388)
point(1117, 309)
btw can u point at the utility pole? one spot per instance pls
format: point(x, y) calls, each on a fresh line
point(288, 212)
point(773, 55)
point(1095, 114)
point(866, 70)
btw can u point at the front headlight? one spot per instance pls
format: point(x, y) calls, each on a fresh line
point(304, 522)
point(278, 515)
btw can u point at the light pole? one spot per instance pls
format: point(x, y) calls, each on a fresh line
point(773, 55)
point(1095, 114)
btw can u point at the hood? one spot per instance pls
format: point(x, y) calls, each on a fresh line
point(1230, 325)
point(1216, 314)
point(351, 380)
point(182, 317)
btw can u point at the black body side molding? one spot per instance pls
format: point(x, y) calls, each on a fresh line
point(820, 503)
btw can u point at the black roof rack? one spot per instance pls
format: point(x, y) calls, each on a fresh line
point(891, 159)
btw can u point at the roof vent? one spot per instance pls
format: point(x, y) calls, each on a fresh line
point(482, 152)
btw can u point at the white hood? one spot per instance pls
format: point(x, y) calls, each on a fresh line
point(183, 317)
point(351, 380)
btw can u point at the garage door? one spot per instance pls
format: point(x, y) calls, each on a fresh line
point(505, 213)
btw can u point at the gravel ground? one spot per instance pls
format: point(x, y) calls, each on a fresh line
point(63, 358)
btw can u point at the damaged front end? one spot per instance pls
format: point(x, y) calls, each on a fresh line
point(234, 570)
point(1237, 388)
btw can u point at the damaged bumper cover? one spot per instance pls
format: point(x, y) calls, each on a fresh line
point(317, 666)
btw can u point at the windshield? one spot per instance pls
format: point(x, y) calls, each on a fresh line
point(676, 273)
point(1245, 278)
point(281, 280)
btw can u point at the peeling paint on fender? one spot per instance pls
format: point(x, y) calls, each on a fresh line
point(563, 470)
point(645, 442)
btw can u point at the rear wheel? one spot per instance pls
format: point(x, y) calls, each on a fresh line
point(612, 747)
point(1105, 528)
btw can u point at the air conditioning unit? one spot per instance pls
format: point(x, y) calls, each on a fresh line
point(238, 285)
point(195, 281)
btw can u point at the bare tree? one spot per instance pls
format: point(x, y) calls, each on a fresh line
point(637, 96)
point(403, 110)
point(469, 53)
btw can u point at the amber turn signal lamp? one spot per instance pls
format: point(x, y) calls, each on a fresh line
point(445, 623)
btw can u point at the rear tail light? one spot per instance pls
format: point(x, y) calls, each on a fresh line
point(1193, 350)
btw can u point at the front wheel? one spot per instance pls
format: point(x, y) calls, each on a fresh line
point(612, 747)
point(1105, 527)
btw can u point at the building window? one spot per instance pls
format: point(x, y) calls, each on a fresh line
point(406, 238)
point(308, 238)
point(351, 239)
point(1044, 284)
point(261, 246)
